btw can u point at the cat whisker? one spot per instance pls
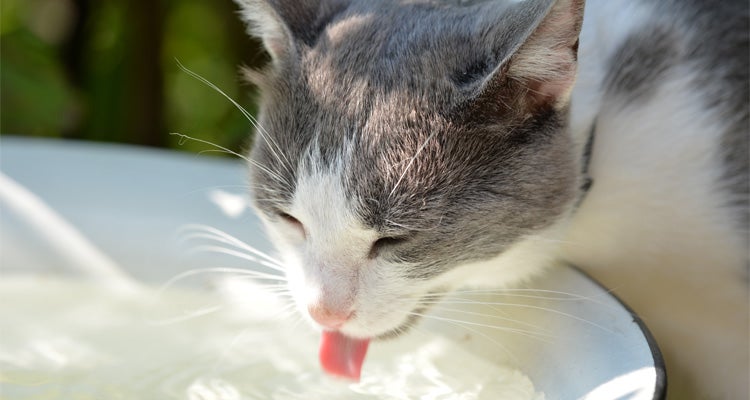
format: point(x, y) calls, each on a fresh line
point(284, 295)
point(440, 301)
point(222, 149)
point(219, 148)
point(229, 239)
point(521, 292)
point(237, 271)
point(493, 316)
point(411, 162)
point(414, 228)
point(471, 329)
point(533, 307)
point(270, 288)
point(272, 145)
point(191, 315)
point(262, 187)
point(288, 313)
point(234, 253)
point(551, 298)
point(208, 236)
point(296, 320)
point(522, 332)
point(285, 312)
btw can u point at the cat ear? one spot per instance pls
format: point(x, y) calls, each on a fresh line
point(283, 25)
point(542, 67)
point(265, 23)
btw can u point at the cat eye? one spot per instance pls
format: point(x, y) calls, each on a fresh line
point(384, 243)
point(288, 218)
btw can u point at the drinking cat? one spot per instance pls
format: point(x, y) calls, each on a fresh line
point(409, 148)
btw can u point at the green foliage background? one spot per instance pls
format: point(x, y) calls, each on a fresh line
point(106, 70)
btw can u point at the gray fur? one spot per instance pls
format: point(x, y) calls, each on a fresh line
point(711, 38)
point(642, 61)
point(490, 171)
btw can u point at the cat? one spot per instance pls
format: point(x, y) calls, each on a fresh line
point(412, 147)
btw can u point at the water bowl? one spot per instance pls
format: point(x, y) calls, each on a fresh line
point(126, 273)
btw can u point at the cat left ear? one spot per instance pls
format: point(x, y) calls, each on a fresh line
point(285, 25)
point(265, 22)
point(543, 66)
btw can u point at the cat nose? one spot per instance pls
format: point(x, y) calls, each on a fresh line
point(327, 317)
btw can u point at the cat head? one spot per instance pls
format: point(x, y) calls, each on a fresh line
point(403, 142)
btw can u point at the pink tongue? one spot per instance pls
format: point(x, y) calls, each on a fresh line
point(341, 355)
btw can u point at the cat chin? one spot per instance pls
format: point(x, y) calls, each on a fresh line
point(405, 327)
point(408, 323)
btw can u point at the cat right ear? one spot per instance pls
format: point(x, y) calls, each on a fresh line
point(539, 62)
point(265, 23)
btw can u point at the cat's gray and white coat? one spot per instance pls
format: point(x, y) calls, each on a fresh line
point(417, 146)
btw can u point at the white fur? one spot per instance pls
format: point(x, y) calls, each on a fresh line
point(649, 228)
point(330, 267)
point(521, 262)
point(335, 246)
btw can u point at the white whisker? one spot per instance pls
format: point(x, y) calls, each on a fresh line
point(214, 248)
point(191, 315)
point(219, 147)
point(529, 306)
point(520, 292)
point(222, 149)
point(470, 329)
point(479, 314)
point(414, 228)
point(411, 162)
point(234, 253)
point(523, 332)
point(229, 239)
point(273, 146)
point(238, 271)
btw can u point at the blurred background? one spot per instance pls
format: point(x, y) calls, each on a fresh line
point(106, 70)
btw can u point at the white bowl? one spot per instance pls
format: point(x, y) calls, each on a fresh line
point(128, 203)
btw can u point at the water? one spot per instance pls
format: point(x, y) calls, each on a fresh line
point(71, 339)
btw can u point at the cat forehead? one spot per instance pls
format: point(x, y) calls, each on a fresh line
point(375, 87)
point(389, 57)
point(392, 49)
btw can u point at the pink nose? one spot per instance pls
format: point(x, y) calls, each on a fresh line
point(327, 317)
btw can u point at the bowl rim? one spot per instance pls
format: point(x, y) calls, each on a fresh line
point(660, 388)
